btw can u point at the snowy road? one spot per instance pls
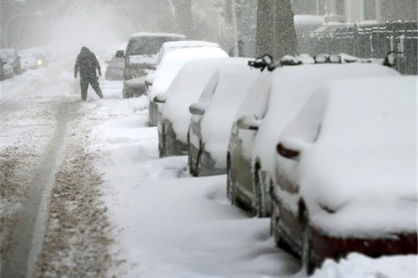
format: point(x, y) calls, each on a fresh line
point(84, 194)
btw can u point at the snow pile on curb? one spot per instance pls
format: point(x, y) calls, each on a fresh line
point(359, 266)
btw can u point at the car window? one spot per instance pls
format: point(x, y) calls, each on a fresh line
point(146, 45)
point(210, 88)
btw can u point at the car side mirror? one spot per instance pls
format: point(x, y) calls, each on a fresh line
point(120, 54)
point(291, 148)
point(149, 80)
point(160, 98)
point(197, 109)
point(249, 122)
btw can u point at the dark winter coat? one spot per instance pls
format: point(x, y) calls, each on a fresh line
point(87, 64)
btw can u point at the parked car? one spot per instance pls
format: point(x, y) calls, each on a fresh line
point(186, 88)
point(115, 66)
point(13, 59)
point(33, 58)
point(6, 71)
point(140, 58)
point(213, 115)
point(169, 46)
point(269, 106)
point(346, 172)
point(167, 70)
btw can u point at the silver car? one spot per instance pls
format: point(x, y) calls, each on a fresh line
point(213, 116)
point(115, 66)
point(262, 115)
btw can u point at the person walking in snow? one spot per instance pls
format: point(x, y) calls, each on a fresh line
point(87, 64)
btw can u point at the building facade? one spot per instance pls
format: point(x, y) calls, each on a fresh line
point(378, 11)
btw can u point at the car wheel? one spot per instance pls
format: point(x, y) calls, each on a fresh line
point(307, 254)
point(230, 190)
point(189, 156)
point(274, 222)
point(163, 148)
point(260, 195)
point(198, 170)
point(126, 93)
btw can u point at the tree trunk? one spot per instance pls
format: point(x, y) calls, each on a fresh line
point(276, 32)
point(184, 17)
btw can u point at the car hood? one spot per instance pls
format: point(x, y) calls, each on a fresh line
point(370, 189)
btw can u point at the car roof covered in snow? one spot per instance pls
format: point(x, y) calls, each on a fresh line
point(224, 92)
point(175, 60)
point(186, 89)
point(185, 44)
point(289, 89)
point(362, 163)
point(146, 34)
point(173, 45)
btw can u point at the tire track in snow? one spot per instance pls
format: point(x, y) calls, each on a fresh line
point(28, 233)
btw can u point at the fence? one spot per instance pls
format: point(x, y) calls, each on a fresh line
point(368, 41)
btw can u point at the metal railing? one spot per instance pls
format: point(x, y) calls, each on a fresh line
point(368, 41)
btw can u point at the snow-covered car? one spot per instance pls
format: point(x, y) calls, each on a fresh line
point(346, 172)
point(33, 58)
point(269, 106)
point(186, 88)
point(167, 70)
point(169, 46)
point(140, 55)
point(11, 56)
point(115, 66)
point(213, 115)
point(6, 71)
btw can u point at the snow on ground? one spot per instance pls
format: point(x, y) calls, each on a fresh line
point(359, 266)
point(27, 122)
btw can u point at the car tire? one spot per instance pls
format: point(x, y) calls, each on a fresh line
point(274, 230)
point(307, 254)
point(189, 156)
point(260, 196)
point(230, 190)
point(162, 150)
point(126, 93)
point(198, 170)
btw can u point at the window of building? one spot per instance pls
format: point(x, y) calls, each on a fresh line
point(369, 8)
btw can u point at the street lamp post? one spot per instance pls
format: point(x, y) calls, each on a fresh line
point(13, 18)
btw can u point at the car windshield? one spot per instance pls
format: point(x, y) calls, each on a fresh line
point(147, 45)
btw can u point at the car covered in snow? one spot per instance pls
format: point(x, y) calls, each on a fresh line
point(213, 115)
point(186, 88)
point(345, 169)
point(169, 46)
point(167, 70)
point(11, 56)
point(115, 66)
point(269, 106)
point(6, 71)
point(140, 55)
point(33, 58)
